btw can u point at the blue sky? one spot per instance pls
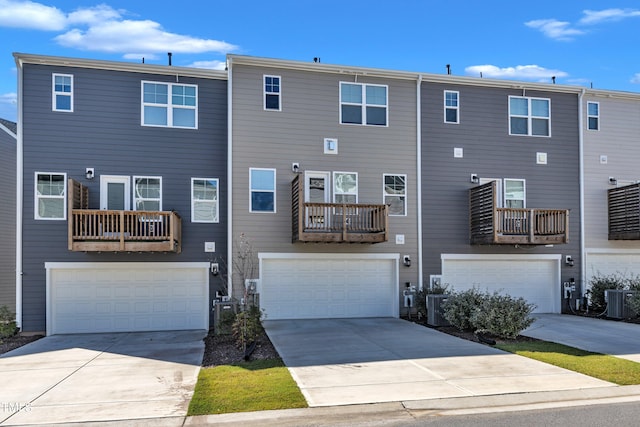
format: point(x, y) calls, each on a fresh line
point(581, 43)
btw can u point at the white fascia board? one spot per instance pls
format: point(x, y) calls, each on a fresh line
point(324, 256)
point(501, 257)
point(122, 265)
point(8, 131)
point(612, 251)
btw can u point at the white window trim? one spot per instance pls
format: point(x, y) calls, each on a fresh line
point(135, 198)
point(54, 93)
point(36, 197)
point(529, 117)
point(448, 107)
point(335, 193)
point(597, 116)
point(384, 193)
point(504, 191)
point(216, 202)
point(364, 104)
point(169, 105)
point(274, 191)
point(265, 93)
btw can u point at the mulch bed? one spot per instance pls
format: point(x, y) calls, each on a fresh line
point(222, 350)
point(11, 343)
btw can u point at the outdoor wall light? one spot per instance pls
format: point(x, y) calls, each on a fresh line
point(613, 180)
point(568, 260)
point(215, 268)
point(406, 260)
point(475, 179)
point(295, 167)
point(89, 173)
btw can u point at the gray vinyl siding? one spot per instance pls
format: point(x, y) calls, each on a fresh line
point(104, 133)
point(7, 220)
point(310, 113)
point(490, 152)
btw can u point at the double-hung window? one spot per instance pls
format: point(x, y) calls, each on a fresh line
point(147, 193)
point(395, 194)
point(272, 93)
point(593, 115)
point(62, 96)
point(204, 200)
point(514, 193)
point(345, 187)
point(451, 106)
point(363, 104)
point(529, 116)
point(50, 192)
point(169, 105)
point(262, 186)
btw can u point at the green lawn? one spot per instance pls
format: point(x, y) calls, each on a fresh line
point(248, 386)
point(601, 366)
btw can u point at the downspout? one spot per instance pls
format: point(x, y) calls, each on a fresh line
point(583, 260)
point(229, 179)
point(419, 175)
point(19, 207)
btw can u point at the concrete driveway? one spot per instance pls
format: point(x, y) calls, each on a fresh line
point(100, 377)
point(356, 361)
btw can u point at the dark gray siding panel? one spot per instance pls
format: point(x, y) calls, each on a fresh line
point(7, 220)
point(104, 132)
point(491, 152)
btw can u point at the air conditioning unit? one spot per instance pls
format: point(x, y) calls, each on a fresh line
point(617, 307)
point(224, 314)
point(434, 310)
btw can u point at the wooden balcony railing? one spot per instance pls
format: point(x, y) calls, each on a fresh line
point(336, 222)
point(490, 224)
point(624, 212)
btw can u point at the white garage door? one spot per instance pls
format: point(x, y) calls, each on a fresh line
point(626, 264)
point(534, 278)
point(124, 297)
point(320, 287)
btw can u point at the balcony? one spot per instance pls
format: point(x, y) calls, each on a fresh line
point(93, 230)
point(624, 212)
point(336, 222)
point(491, 225)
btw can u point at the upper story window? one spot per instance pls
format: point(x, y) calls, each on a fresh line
point(272, 93)
point(50, 191)
point(593, 115)
point(529, 116)
point(451, 106)
point(345, 187)
point(514, 193)
point(395, 194)
point(363, 104)
point(204, 200)
point(62, 99)
point(147, 193)
point(169, 105)
point(262, 186)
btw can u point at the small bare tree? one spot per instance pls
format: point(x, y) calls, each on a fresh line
point(247, 326)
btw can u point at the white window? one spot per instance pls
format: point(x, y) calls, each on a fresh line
point(529, 116)
point(593, 115)
point(395, 194)
point(363, 104)
point(514, 193)
point(169, 105)
point(262, 186)
point(62, 99)
point(272, 89)
point(50, 195)
point(345, 187)
point(451, 106)
point(204, 200)
point(147, 193)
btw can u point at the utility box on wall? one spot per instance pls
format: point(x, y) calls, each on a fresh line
point(434, 310)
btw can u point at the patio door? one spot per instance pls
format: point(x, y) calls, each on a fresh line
point(114, 193)
point(317, 187)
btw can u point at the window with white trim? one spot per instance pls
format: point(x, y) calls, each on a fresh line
point(62, 96)
point(147, 193)
point(204, 200)
point(345, 187)
point(529, 116)
point(593, 115)
point(272, 93)
point(451, 106)
point(395, 194)
point(50, 195)
point(169, 105)
point(262, 188)
point(514, 193)
point(363, 104)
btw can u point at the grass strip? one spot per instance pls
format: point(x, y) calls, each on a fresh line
point(601, 366)
point(247, 386)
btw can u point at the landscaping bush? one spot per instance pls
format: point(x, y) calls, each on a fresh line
point(247, 326)
point(502, 316)
point(600, 283)
point(460, 306)
point(8, 325)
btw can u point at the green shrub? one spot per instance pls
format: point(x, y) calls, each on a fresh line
point(460, 306)
point(600, 283)
point(8, 325)
point(502, 316)
point(247, 326)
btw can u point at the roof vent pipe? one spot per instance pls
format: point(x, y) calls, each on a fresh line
point(448, 68)
point(169, 54)
point(553, 79)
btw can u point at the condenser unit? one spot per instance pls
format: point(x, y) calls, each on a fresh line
point(434, 310)
point(617, 306)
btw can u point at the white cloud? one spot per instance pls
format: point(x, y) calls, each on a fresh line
point(210, 65)
point(30, 15)
point(93, 15)
point(519, 72)
point(9, 98)
point(636, 78)
point(139, 56)
point(552, 28)
point(607, 15)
